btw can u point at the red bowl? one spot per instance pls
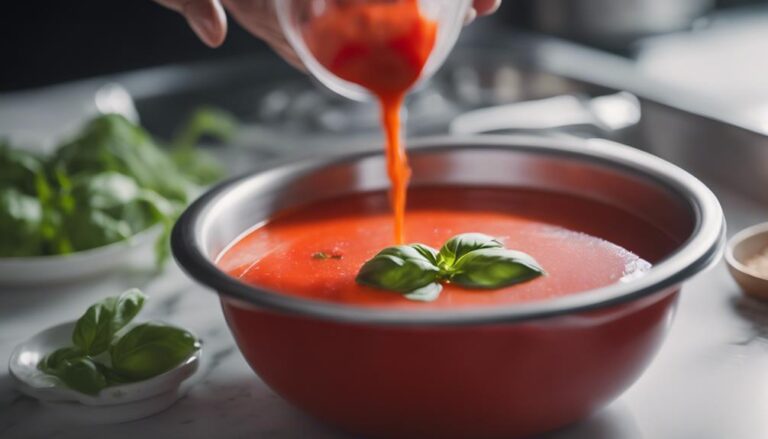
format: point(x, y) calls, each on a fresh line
point(506, 371)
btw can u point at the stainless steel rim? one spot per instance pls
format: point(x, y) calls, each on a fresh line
point(702, 249)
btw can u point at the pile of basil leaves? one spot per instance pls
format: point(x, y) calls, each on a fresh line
point(109, 183)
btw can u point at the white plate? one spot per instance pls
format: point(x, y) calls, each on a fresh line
point(113, 404)
point(137, 251)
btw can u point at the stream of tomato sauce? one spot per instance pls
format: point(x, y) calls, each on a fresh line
point(383, 47)
point(582, 244)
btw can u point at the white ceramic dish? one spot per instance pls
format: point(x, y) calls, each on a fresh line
point(121, 403)
point(40, 270)
point(741, 247)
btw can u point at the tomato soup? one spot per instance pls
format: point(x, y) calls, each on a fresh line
point(383, 47)
point(316, 251)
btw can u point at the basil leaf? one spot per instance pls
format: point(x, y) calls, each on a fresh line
point(150, 349)
point(75, 370)
point(127, 307)
point(205, 121)
point(56, 359)
point(426, 293)
point(400, 268)
point(199, 166)
point(81, 374)
point(460, 245)
point(494, 268)
point(95, 329)
point(29, 220)
point(21, 224)
point(92, 332)
point(163, 244)
point(428, 252)
point(20, 169)
point(110, 207)
point(112, 143)
point(113, 378)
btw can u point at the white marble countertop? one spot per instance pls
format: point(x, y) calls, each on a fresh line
point(710, 379)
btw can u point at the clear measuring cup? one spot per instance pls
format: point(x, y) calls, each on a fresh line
point(295, 14)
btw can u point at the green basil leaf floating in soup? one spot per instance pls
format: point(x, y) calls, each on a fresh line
point(21, 224)
point(460, 245)
point(472, 260)
point(400, 268)
point(81, 374)
point(322, 256)
point(112, 143)
point(95, 330)
point(150, 349)
point(428, 252)
point(494, 268)
point(426, 293)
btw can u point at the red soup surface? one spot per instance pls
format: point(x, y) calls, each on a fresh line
point(582, 244)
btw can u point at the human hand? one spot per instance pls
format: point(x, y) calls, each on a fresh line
point(209, 21)
point(482, 7)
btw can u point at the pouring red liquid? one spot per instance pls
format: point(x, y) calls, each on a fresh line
point(383, 47)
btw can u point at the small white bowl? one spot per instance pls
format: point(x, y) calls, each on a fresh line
point(125, 402)
point(41, 270)
point(741, 247)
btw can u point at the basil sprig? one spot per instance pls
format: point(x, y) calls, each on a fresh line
point(472, 260)
point(105, 354)
point(95, 329)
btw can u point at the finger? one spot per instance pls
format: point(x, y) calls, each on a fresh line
point(171, 4)
point(485, 7)
point(205, 17)
point(259, 17)
point(470, 17)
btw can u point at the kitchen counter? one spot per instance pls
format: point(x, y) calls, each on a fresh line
point(708, 381)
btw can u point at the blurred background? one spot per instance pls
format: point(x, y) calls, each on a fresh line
point(604, 68)
point(49, 42)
